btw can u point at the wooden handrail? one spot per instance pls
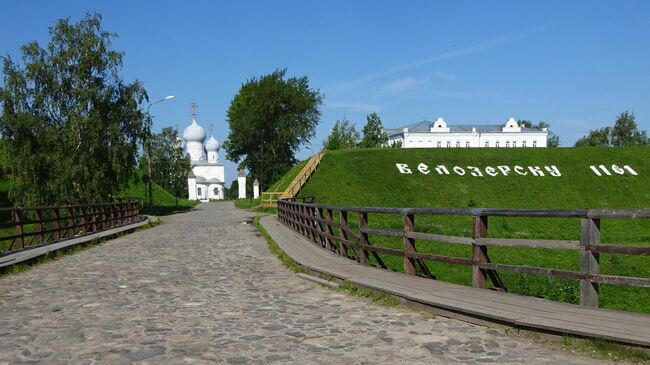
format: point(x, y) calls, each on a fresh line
point(37, 226)
point(311, 221)
point(270, 198)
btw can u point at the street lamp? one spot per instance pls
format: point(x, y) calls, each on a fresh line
point(148, 138)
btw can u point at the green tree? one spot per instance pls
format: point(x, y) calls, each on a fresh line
point(624, 133)
point(169, 164)
point(71, 125)
point(233, 191)
point(552, 140)
point(374, 135)
point(270, 118)
point(343, 136)
point(598, 137)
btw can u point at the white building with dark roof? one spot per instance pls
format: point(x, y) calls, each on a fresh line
point(438, 134)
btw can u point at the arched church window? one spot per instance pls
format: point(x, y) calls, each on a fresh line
point(216, 191)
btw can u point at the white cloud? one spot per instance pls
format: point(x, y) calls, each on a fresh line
point(353, 106)
point(404, 84)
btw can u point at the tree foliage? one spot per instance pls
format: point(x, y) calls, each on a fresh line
point(71, 125)
point(169, 165)
point(343, 136)
point(624, 133)
point(374, 135)
point(270, 118)
point(553, 140)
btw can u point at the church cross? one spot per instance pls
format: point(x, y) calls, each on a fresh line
point(193, 104)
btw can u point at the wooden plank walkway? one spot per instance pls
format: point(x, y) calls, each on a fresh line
point(518, 311)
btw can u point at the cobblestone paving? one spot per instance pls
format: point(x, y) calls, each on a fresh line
point(203, 288)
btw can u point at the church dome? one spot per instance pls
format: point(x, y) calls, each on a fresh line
point(194, 132)
point(212, 144)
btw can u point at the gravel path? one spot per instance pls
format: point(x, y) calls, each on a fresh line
point(203, 288)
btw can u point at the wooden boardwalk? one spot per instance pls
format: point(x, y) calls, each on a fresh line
point(476, 304)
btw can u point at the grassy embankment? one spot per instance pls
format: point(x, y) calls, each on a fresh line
point(164, 202)
point(370, 178)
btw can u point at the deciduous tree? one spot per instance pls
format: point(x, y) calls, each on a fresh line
point(624, 133)
point(343, 136)
point(374, 135)
point(169, 164)
point(270, 118)
point(71, 125)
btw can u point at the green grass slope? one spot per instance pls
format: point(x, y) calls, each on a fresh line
point(283, 183)
point(371, 178)
point(164, 202)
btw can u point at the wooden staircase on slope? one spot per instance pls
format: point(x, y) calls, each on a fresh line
point(270, 198)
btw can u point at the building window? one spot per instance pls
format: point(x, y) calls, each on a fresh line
point(467, 144)
point(216, 192)
point(496, 144)
point(439, 144)
point(507, 143)
point(523, 144)
point(487, 144)
point(448, 144)
point(534, 143)
point(198, 191)
point(514, 143)
point(457, 144)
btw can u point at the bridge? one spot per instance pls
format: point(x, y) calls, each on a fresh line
point(203, 287)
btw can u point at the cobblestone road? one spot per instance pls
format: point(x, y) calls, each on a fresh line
point(203, 288)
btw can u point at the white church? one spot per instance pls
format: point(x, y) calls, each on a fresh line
point(438, 134)
point(205, 181)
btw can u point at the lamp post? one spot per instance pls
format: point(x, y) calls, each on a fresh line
point(148, 138)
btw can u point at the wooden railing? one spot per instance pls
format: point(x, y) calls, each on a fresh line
point(304, 175)
point(25, 228)
point(317, 223)
point(270, 198)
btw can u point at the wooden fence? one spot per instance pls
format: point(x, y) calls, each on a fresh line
point(316, 222)
point(24, 228)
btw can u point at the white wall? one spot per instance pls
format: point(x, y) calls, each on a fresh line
point(191, 188)
point(454, 140)
point(213, 156)
point(242, 187)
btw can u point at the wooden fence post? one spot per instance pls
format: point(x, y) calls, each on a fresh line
point(409, 243)
point(330, 231)
point(343, 220)
point(38, 213)
point(479, 253)
point(590, 261)
point(18, 217)
point(57, 224)
point(71, 223)
point(324, 240)
point(363, 238)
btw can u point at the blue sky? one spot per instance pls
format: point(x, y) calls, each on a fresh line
point(573, 64)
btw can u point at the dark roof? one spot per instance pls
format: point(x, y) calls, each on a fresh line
point(242, 173)
point(425, 127)
point(190, 175)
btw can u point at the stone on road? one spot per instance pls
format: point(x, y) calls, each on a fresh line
point(204, 288)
